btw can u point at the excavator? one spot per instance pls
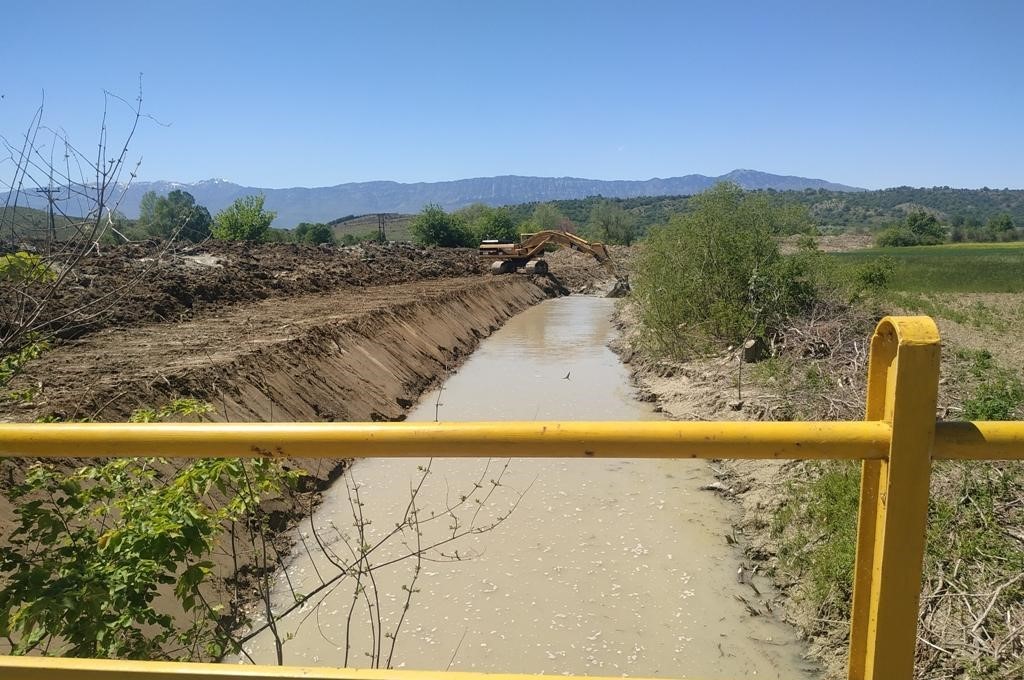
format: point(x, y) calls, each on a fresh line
point(528, 254)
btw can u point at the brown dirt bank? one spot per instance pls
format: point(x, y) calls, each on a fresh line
point(348, 355)
point(154, 281)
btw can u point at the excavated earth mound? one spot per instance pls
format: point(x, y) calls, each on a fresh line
point(154, 281)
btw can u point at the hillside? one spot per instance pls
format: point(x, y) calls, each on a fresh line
point(830, 210)
point(320, 204)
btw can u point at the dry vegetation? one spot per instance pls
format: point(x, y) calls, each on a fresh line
point(797, 520)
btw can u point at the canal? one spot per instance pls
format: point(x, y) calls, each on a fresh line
point(599, 567)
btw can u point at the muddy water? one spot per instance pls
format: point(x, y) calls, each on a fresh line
point(603, 567)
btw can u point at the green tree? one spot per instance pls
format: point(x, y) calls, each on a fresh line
point(1000, 228)
point(244, 220)
point(925, 226)
point(609, 223)
point(919, 228)
point(546, 217)
point(715, 274)
point(896, 237)
point(435, 227)
point(176, 215)
point(495, 223)
point(147, 206)
point(315, 233)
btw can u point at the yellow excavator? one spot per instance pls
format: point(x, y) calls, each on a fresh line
point(528, 254)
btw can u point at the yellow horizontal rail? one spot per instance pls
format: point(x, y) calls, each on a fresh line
point(653, 439)
point(979, 441)
point(50, 668)
point(858, 440)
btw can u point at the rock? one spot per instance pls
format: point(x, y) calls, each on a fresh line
point(718, 487)
point(620, 289)
point(754, 350)
point(735, 404)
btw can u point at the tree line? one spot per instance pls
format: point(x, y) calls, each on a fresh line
point(178, 215)
point(469, 226)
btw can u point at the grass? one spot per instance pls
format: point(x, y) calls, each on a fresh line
point(396, 227)
point(963, 268)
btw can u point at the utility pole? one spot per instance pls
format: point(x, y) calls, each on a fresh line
point(49, 192)
point(381, 227)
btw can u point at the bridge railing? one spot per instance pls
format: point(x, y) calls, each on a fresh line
point(897, 443)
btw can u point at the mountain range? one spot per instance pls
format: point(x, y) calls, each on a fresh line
point(322, 204)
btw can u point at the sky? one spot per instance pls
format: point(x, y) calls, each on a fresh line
point(279, 94)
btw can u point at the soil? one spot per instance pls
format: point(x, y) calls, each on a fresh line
point(831, 243)
point(156, 282)
point(581, 273)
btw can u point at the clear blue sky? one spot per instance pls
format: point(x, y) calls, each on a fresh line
point(299, 93)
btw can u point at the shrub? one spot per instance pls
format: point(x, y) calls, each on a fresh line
point(896, 237)
point(918, 229)
point(23, 267)
point(496, 223)
point(875, 275)
point(315, 233)
point(244, 220)
point(715, 274)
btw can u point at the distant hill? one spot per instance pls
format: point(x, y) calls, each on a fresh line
point(829, 209)
point(320, 204)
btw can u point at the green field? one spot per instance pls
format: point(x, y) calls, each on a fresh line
point(967, 268)
point(396, 226)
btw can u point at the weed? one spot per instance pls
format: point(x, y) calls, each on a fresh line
point(185, 406)
point(996, 399)
point(817, 530)
point(13, 363)
point(24, 396)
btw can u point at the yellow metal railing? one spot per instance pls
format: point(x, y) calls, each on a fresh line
point(897, 443)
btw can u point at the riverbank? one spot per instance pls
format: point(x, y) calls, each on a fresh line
point(796, 521)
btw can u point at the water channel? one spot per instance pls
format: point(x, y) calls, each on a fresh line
point(602, 568)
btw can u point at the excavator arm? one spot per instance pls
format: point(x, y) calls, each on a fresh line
point(531, 247)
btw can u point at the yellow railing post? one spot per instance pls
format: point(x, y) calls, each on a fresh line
point(903, 381)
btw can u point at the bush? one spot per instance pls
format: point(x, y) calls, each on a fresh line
point(896, 237)
point(876, 274)
point(495, 223)
point(435, 227)
point(315, 233)
point(24, 267)
point(174, 215)
point(918, 229)
point(715, 273)
point(244, 220)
